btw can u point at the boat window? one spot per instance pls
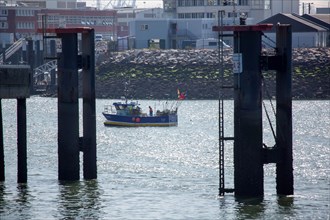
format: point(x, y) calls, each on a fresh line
point(119, 107)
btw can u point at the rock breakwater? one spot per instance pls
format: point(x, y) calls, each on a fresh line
point(156, 74)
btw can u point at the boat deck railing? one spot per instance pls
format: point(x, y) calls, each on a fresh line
point(166, 112)
point(109, 109)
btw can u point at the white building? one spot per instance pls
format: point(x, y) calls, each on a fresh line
point(256, 10)
point(202, 15)
point(186, 21)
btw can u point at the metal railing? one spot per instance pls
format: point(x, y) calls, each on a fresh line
point(46, 67)
point(12, 49)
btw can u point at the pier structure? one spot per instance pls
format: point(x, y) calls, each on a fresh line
point(32, 52)
point(15, 82)
point(68, 64)
point(250, 153)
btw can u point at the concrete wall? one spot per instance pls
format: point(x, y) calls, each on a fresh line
point(144, 30)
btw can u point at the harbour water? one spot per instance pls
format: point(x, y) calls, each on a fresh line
point(162, 173)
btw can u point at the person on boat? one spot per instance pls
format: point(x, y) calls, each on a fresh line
point(150, 111)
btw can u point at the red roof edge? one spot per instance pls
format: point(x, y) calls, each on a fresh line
point(65, 30)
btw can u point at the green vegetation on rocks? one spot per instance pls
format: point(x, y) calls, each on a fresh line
point(156, 74)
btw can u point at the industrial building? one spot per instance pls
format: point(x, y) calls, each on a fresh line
point(179, 24)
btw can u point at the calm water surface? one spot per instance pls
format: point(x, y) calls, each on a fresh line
point(162, 173)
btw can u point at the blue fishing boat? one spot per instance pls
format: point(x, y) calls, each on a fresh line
point(129, 114)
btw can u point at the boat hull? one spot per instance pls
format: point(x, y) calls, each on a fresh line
point(141, 121)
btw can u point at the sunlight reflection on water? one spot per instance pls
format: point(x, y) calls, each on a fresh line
point(162, 173)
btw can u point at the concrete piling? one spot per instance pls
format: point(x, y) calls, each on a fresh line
point(250, 154)
point(89, 112)
point(15, 84)
point(248, 164)
point(2, 156)
point(30, 54)
point(284, 168)
point(68, 109)
point(38, 53)
point(21, 141)
point(16, 81)
point(69, 142)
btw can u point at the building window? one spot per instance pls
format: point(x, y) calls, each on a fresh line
point(3, 12)
point(181, 15)
point(200, 3)
point(169, 5)
point(257, 4)
point(232, 2)
point(181, 3)
point(243, 2)
point(131, 15)
point(211, 2)
point(25, 25)
point(3, 25)
point(187, 15)
point(151, 15)
point(267, 4)
point(144, 27)
point(197, 15)
point(200, 15)
point(210, 15)
point(24, 12)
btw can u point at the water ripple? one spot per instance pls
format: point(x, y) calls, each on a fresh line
point(162, 173)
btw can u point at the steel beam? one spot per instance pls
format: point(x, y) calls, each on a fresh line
point(284, 169)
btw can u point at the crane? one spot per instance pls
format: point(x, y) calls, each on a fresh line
point(118, 4)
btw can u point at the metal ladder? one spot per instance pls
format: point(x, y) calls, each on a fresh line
point(222, 138)
point(221, 149)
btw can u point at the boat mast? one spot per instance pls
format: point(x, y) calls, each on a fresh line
point(126, 91)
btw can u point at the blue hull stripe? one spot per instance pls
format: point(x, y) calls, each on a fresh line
point(124, 124)
point(139, 121)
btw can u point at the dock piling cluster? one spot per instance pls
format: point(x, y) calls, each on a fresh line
point(250, 154)
point(16, 83)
